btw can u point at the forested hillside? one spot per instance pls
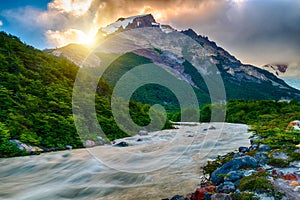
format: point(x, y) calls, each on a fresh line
point(36, 100)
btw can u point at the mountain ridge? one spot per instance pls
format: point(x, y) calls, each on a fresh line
point(237, 77)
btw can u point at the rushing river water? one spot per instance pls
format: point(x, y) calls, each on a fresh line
point(156, 166)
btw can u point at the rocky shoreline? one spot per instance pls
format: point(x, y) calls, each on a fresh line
point(254, 172)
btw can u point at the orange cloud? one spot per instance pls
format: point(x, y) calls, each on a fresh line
point(73, 7)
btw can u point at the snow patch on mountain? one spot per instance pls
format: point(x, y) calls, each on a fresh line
point(121, 22)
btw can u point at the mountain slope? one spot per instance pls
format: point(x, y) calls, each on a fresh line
point(241, 81)
point(36, 101)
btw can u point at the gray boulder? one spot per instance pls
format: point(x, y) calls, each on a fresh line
point(264, 148)
point(226, 187)
point(233, 165)
point(280, 155)
point(234, 176)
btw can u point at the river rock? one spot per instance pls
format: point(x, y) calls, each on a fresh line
point(122, 144)
point(233, 165)
point(295, 164)
point(143, 132)
point(261, 158)
point(297, 151)
point(253, 139)
point(264, 148)
point(177, 197)
point(89, 143)
point(220, 196)
point(226, 187)
point(69, 147)
point(24, 147)
point(280, 155)
point(234, 176)
point(243, 149)
point(253, 147)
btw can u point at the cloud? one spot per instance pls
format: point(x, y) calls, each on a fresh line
point(1, 23)
point(63, 38)
point(73, 7)
point(255, 31)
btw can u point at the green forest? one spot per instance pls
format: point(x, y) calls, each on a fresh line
point(36, 100)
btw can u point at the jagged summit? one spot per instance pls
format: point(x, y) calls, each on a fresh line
point(138, 21)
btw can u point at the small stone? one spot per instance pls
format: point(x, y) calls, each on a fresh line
point(290, 177)
point(212, 127)
point(226, 187)
point(249, 172)
point(69, 147)
point(277, 173)
point(297, 151)
point(294, 184)
point(220, 196)
point(261, 157)
point(255, 138)
point(121, 144)
point(234, 176)
point(253, 147)
point(297, 189)
point(280, 155)
point(243, 149)
point(295, 164)
point(264, 148)
point(177, 197)
point(139, 140)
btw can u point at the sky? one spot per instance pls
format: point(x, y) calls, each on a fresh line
point(255, 31)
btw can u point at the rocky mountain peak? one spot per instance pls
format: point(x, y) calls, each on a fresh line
point(138, 21)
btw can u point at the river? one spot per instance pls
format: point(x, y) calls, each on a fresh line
point(156, 166)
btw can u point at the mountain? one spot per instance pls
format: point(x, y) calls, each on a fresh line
point(152, 42)
point(37, 106)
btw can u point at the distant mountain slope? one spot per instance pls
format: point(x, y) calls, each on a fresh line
point(241, 81)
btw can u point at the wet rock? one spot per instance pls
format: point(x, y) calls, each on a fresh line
point(277, 173)
point(89, 143)
point(280, 155)
point(226, 187)
point(233, 165)
point(143, 132)
point(121, 144)
point(289, 177)
point(253, 139)
point(243, 149)
point(139, 140)
point(239, 154)
point(220, 196)
point(297, 151)
point(249, 172)
point(234, 176)
point(177, 197)
point(253, 147)
point(261, 158)
point(24, 147)
point(295, 164)
point(294, 184)
point(211, 128)
point(69, 147)
point(264, 148)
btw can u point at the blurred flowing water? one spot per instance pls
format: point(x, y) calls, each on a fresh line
point(156, 166)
